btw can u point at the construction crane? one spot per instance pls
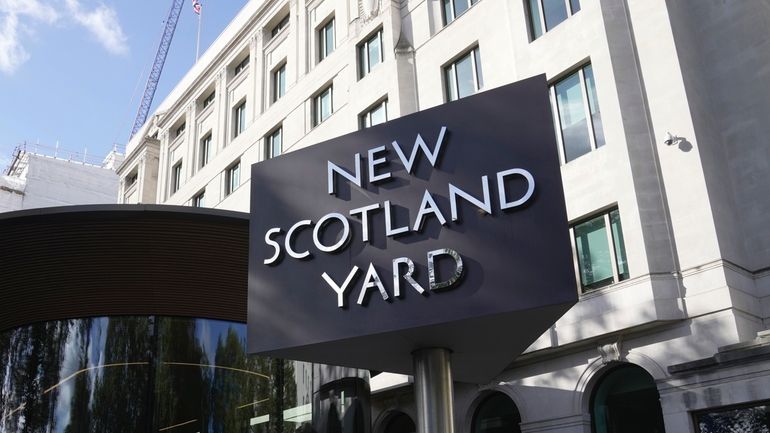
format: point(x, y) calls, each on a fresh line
point(157, 66)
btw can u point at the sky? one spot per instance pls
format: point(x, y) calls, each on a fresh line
point(73, 71)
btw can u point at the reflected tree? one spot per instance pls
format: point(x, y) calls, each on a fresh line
point(120, 390)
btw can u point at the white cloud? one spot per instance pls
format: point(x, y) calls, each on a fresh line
point(102, 22)
point(12, 52)
point(18, 18)
point(34, 9)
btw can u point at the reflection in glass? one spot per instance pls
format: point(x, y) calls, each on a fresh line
point(534, 18)
point(593, 253)
point(754, 418)
point(152, 374)
point(400, 423)
point(463, 77)
point(626, 400)
point(555, 12)
point(572, 116)
point(619, 243)
point(496, 414)
point(596, 117)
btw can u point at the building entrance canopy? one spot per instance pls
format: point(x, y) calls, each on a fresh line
point(445, 228)
point(118, 260)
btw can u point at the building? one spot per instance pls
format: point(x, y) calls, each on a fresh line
point(41, 177)
point(661, 118)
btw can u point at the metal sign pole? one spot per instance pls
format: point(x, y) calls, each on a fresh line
point(433, 390)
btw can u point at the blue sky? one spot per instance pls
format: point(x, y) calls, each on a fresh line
point(69, 68)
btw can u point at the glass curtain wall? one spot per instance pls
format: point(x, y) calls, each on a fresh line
point(156, 374)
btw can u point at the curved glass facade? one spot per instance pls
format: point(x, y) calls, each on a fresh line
point(161, 374)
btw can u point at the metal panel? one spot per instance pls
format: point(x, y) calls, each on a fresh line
point(517, 276)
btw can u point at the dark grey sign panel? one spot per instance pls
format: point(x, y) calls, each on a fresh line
point(457, 238)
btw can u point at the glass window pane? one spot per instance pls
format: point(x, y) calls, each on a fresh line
point(596, 116)
point(378, 115)
point(496, 414)
point(374, 51)
point(449, 15)
point(326, 104)
point(479, 76)
point(594, 259)
point(620, 245)
point(276, 143)
point(449, 79)
point(555, 12)
point(534, 19)
point(575, 5)
point(460, 7)
point(465, 84)
point(329, 38)
point(362, 62)
point(754, 419)
point(574, 125)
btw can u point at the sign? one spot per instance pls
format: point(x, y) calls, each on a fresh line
point(444, 228)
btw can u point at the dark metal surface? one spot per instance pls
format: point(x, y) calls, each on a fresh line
point(518, 270)
point(112, 260)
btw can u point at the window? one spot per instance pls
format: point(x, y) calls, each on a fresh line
point(322, 106)
point(209, 99)
point(176, 177)
point(750, 418)
point(232, 178)
point(600, 250)
point(375, 115)
point(239, 119)
point(280, 26)
point(200, 199)
point(279, 82)
point(575, 96)
point(204, 153)
point(241, 66)
point(370, 53)
point(132, 178)
point(496, 414)
point(399, 422)
point(626, 400)
point(326, 40)
point(463, 77)
point(547, 14)
point(455, 8)
point(179, 130)
point(274, 143)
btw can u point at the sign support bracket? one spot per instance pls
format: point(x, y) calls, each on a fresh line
point(433, 390)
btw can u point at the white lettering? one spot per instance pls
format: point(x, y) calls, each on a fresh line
point(373, 163)
point(428, 206)
point(341, 289)
point(371, 280)
point(344, 239)
point(419, 143)
point(274, 244)
point(364, 211)
point(486, 205)
point(504, 203)
point(332, 168)
point(289, 237)
point(407, 276)
point(389, 230)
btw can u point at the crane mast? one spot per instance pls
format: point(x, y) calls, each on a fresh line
point(157, 66)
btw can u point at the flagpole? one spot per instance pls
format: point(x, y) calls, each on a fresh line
point(198, 38)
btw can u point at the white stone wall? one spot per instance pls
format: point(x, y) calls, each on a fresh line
point(694, 214)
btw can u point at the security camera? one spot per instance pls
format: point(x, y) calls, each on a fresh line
point(670, 139)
